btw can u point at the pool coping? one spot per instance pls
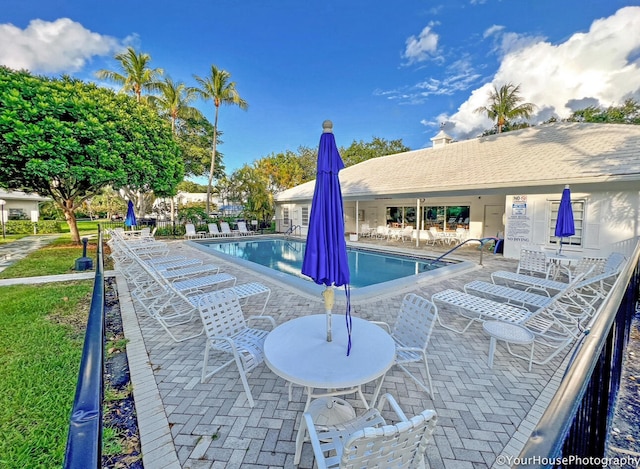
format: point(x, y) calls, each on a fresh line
point(357, 295)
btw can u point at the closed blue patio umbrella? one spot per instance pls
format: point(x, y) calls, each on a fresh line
point(130, 220)
point(565, 225)
point(325, 257)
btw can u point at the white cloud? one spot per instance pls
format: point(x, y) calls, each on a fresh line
point(423, 47)
point(600, 66)
point(60, 46)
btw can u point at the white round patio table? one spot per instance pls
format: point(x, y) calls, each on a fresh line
point(298, 351)
point(510, 333)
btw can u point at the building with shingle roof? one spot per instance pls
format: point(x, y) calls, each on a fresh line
point(507, 185)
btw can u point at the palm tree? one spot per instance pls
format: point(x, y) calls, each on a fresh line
point(135, 75)
point(218, 88)
point(506, 104)
point(173, 102)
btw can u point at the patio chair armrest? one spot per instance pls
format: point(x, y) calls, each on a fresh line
point(533, 288)
point(382, 324)
point(258, 318)
point(394, 405)
point(307, 420)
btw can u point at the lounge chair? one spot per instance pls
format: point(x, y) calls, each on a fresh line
point(242, 229)
point(244, 291)
point(554, 326)
point(226, 229)
point(214, 232)
point(190, 231)
point(367, 440)
point(168, 308)
point(476, 309)
point(228, 332)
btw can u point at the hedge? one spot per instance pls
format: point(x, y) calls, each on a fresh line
point(26, 227)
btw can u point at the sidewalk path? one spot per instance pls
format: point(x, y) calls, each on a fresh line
point(19, 249)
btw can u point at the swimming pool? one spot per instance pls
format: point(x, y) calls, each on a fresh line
point(371, 271)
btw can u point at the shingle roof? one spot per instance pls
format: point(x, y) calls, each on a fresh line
point(545, 155)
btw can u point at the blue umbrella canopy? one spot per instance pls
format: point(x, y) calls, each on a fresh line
point(325, 257)
point(130, 220)
point(565, 225)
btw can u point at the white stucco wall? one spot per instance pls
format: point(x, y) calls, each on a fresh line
point(610, 220)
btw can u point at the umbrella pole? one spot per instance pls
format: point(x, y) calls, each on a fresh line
point(328, 296)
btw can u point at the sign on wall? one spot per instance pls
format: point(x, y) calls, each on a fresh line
point(518, 221)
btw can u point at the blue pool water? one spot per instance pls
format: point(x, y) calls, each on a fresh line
point(366, 267)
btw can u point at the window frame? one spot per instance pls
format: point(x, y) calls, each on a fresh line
point(578, 206)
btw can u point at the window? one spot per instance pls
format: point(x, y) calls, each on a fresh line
point(578, 219)
point(453, 216)
point(401, 216)
point(285, 216)
point(305, 216)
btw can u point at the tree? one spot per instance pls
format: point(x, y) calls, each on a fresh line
point(506, 104)
point(173, 103)
point(66, 139)
point(281, 171)
point(358, 152)
point(251, 191)
point(627, 113)
point(135, 75)
point(218, 88)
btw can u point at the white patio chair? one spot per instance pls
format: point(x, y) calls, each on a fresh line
point(411, 333)
point(368, 441)
point(534, 262)
point(382, 232)
point(406, 232)
point(242, 229)
point(439, 236)
point(228, 332)
point(190, 231)
point(365, 230)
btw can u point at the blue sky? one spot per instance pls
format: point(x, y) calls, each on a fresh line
point(395, 70)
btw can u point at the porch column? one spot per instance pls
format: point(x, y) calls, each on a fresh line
point(417, 222)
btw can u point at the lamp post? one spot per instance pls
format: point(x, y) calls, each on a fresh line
point(2, 202)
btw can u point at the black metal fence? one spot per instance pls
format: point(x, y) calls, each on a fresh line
point(84, 441)
point(573, 430)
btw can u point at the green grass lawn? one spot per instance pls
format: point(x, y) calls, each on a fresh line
point(41, 336)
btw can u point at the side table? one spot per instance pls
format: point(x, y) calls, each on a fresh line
point(511, 334)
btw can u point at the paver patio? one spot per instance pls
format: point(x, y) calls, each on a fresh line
point(483, 413)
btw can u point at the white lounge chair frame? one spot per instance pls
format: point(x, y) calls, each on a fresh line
point(228, 332)
point(411, 332)
point(368, 441)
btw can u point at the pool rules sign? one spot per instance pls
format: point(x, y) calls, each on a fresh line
point(518, 226)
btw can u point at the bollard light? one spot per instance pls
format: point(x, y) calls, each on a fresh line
point(2, 202)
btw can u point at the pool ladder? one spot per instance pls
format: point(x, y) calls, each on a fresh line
point(482, 242)
point(292, 230)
